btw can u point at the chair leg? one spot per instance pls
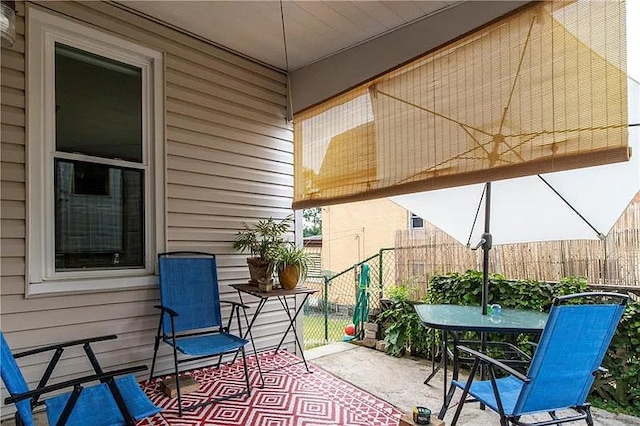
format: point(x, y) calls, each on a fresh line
point(246, 372)
point(589, 419)
point(156, 345)
point(465, 392)
point(177, 375)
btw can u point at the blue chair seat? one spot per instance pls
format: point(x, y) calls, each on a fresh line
point(509, 389)
point(209, 344)
point(100, 397)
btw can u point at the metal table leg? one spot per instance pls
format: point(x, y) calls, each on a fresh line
point(261, 304)
point(285, 305)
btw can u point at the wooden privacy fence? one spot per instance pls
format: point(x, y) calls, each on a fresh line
point(614, 261)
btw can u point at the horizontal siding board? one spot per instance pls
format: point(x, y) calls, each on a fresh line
point(12, 115)
point(221, 209)
point(183, 73)
point(12, 209)
point(12, 267)
point(13, 135)
point(274, 106)
point(228, 183)
point(12, 60)
point(12, 191)
point(263, 165)
point(229, 120)
point(17, 304)
point(263, 156)
point(12, 285)
point(12, 172)
point(76, 315)
point(206, 168)
point(226, 106)
point(12, 78)
point(187, 122)
point(11, 247)
point(224, 196)
point(12, 97)
point(12, 228)
point(211, 71)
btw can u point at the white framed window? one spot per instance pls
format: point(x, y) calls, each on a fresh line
point(415, 221)
point(95, 158)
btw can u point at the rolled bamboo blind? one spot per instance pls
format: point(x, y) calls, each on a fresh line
point(538, 91)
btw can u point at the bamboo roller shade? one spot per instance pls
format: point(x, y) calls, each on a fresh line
point(538, 91)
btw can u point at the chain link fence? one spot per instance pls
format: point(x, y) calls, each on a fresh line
point(328, 311)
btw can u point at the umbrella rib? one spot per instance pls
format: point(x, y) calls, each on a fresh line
point(576, 129)
point(475, 219)
point(515, 80)
point(437, 114)
point(598, 233)
point(475, 140)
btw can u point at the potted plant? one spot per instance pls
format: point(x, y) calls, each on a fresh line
point(263, 242)
point(292, 264)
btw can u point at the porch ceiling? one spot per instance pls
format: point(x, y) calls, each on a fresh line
point(331, 45)
point(314, 29)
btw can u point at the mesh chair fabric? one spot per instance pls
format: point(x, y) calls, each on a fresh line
point(14, 381)
point(509, 388)
point(571, 348)
point(189, 286)
point(212, 344)
point(97, 404)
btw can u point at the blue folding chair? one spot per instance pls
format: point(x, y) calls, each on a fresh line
point(108, 402)
point(191, 318)
point(563, 367)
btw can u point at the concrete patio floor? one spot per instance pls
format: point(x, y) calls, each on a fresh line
point(399, 381)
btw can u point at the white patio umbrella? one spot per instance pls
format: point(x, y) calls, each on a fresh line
point(569, 205)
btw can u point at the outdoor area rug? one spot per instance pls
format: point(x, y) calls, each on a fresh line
point(290, 397)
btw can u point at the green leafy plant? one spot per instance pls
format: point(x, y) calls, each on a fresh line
point(264, 239)
point(290, 255)
point(404, 330)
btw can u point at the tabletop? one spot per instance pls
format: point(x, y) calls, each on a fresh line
point(276, 292)
point(470, 318)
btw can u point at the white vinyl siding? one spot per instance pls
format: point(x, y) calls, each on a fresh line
point(228, 161)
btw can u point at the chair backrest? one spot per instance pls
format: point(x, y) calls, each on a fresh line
point(570, 351)
point(14, 381)
point(189, 286)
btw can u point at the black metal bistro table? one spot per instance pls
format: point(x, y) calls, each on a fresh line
point(453, 319)
point(281, 294)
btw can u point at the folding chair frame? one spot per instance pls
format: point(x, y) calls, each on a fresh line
point(172, 338)
point(480, 359)
point(104, 377)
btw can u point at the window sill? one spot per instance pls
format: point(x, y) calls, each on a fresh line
point(93, 285)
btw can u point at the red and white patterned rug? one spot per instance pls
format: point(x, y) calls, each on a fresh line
point(290, 397)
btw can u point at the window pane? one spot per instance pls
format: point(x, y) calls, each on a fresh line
point(416, 221)
point(99, 216)
point(98, 105)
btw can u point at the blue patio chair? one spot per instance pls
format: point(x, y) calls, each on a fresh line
point(191, 318)
point(106, 402)
point(562, 369)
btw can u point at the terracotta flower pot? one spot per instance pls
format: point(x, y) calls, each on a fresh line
point(258, 269)
point(289, 277)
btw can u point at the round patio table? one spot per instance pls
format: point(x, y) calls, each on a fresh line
point(453, 319)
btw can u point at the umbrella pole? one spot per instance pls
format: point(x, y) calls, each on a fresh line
point(486, 246)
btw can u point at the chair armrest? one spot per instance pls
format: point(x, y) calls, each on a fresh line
point(488, 360)
point(64, 345)
point(167, 310)
point(236, 304)
point(70, 383)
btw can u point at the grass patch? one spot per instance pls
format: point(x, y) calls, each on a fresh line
point(314, 330)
